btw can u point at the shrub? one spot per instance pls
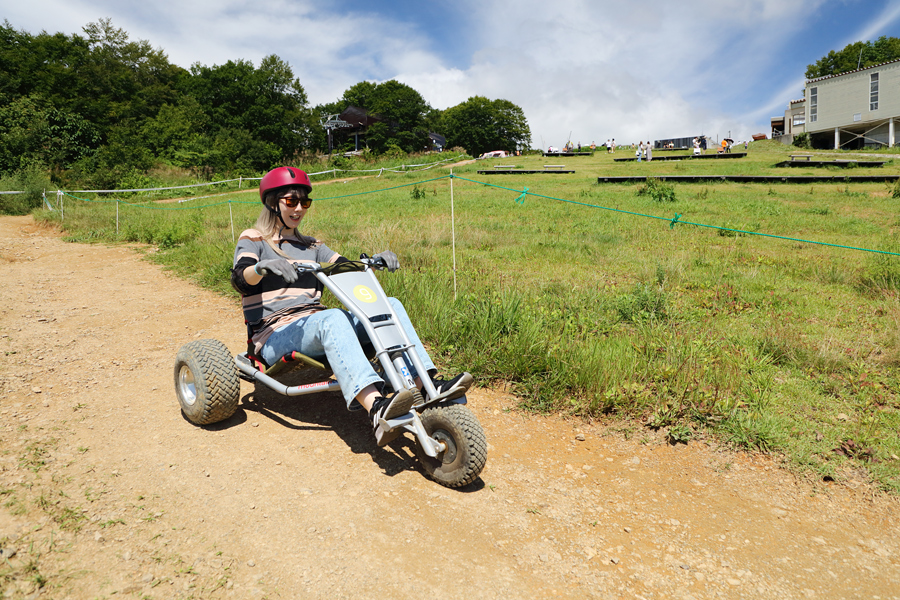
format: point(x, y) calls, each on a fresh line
point(394, 151)
point(644, 303)
point(883, 270)
point(338, 161)
point(895, 192)
point(658, 190)
point(801, 140)
point(416, 193)
point(32, 181)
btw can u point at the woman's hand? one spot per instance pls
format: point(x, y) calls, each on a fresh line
point(277, 266)
point(390, 260)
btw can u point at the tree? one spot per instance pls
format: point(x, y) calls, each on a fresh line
point(400, 110)
point(267, 102)
point(480, 125)
point(854, 56)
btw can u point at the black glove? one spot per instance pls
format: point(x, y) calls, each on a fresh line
point(277, 266)
point(390, 260)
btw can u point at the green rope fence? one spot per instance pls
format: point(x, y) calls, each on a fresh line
point(672, 221)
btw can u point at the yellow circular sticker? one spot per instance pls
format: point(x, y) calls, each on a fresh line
point(364, 294)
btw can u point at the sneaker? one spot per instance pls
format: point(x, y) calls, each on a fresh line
point(389, 408)
point(452, 389)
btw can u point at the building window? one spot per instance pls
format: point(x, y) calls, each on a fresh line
point(873, 91)
point(813, 104)
point(799, 120)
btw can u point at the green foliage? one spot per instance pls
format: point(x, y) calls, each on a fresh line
point(895, 190)
point(399, 111)
point(33, 181)
point(801, 140)
point(854, 56)
point(882, 271)
point(658, 190)
point(96, 108)
point(416, 193)
point(394, 151)
point(159, 228)
point(337, 161)
point(481, 125)
point(267, 104)
point(645, 302)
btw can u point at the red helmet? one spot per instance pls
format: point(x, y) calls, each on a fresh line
point(283, 177)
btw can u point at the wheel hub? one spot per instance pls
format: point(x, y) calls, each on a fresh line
point(449, 455)
point(187, 385)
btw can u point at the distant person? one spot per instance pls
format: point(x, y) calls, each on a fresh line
point(639, 151)
point(614, 145)
point(608, 147)
point(696, 147)
point(649, 152)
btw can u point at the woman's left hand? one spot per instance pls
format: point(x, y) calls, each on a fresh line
point(390, 260)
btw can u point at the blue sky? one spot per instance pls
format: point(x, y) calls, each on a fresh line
point(632, 70)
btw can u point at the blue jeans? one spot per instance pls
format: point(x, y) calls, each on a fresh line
point(338, 336)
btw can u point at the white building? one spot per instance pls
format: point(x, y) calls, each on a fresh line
point(846, 111)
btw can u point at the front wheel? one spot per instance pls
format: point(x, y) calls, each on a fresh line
point(466, 447)
point(206, 382)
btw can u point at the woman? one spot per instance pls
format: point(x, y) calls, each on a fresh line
point(284, 309)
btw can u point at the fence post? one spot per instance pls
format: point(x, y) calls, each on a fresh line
point(231, 218)
point(453, 234)
point(240, 183)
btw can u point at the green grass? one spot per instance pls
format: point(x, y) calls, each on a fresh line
point(585, 308)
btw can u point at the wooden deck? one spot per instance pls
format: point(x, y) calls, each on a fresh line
point(831, 163)
point(687, 156)
point(523, 171)
point(756, 178)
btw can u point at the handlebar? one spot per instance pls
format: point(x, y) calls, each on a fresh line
point(364, 262)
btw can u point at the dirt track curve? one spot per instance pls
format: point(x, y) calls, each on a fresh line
point(106, 491)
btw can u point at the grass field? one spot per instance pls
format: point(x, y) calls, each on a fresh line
point(587, 299)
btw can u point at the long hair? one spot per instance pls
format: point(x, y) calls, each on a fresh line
point(268, 223)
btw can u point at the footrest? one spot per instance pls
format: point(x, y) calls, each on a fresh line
point(391, 424)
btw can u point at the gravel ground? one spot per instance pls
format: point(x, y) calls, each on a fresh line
point(107, 491)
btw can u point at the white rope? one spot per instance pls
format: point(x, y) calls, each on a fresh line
point(241, 180)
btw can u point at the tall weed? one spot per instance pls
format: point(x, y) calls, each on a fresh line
point(32, 182)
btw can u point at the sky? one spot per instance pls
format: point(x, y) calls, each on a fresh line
point(581, 70)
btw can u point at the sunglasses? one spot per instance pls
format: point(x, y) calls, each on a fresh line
point(293, 201)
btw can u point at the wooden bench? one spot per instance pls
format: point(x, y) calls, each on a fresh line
point(554, 166)
point(504, 166)
point(808, 157)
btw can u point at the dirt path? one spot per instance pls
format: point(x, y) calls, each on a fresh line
point(107, 491)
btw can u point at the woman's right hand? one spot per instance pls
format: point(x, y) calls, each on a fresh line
point(277, 266)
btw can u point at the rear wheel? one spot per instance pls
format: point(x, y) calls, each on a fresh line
point(465, 451)
point(206, 382)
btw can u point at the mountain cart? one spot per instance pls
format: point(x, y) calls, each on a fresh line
point(450, 443)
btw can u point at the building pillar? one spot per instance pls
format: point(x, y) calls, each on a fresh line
point(891, 132)
point(837, 138)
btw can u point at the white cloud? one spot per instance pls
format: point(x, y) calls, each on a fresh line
point(632, 71)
